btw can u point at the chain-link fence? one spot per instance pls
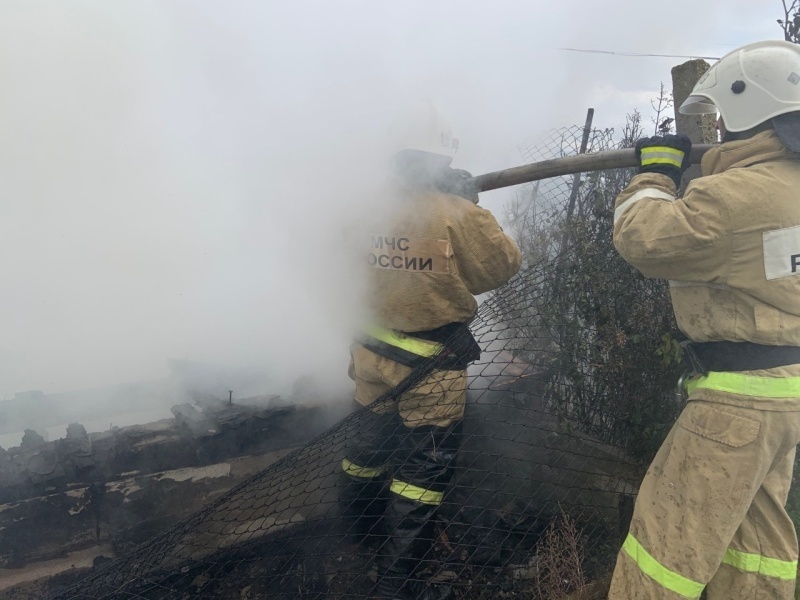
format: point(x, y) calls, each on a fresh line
point(571, 395)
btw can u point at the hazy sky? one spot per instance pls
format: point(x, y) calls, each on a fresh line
point(177, 176)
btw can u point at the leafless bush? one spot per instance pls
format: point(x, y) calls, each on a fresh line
point(559, 560)
point(662, 122)
point(606, 334)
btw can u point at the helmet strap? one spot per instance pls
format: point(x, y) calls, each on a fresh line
point(733, 136)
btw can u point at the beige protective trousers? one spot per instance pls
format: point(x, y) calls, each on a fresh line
point(710, 513)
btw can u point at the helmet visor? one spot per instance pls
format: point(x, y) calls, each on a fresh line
point(697, 105)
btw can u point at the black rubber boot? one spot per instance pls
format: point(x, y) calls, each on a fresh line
point(416, 493)
point(362, 504)
point(410, 541)
point(364, 496)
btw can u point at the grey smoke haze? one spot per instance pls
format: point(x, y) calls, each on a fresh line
point(177, 178)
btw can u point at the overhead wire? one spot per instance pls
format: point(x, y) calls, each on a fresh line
point(639, 54)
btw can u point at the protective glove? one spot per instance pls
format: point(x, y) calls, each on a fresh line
point(667, 155)
point(458, 182)
point(464, 185)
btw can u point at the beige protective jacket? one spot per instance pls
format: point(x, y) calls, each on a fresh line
point(433, 256)
point(730, 247)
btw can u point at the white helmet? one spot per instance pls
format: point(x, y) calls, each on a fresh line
point(750, 85)
point(423, 130)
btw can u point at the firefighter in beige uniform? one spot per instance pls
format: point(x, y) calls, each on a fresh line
point(428, 261)
point(710, 512)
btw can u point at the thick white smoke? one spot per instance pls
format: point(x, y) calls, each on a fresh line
point(180, 179)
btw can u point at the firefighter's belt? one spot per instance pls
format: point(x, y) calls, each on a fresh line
point(406, 349)
point(737, 356)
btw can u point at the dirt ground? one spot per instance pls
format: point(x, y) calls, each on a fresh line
point(333, 567)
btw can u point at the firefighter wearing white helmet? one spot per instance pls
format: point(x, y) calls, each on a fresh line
point(755, 86)
point(422, 129)
point(427, 262)
point(710, 514)
point(423, 148)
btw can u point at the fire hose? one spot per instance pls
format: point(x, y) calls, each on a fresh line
point(568, 165)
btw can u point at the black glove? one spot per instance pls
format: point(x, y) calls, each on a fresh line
point(667, 155)
point(465, 186)
point(458, 182)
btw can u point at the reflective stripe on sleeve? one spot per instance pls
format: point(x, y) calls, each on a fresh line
point(665, 577)
point(645, 193)
point(747, 385)
point(756, 563)
point(418, 494)
point(398, 339)
point(662, 155)
point(354, 470)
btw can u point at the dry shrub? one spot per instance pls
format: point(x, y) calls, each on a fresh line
point(559, 560)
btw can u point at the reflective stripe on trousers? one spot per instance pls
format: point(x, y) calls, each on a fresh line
point(675, 582)
point(355, 470)
point(416, 493)
point(401, 488)
point(763, 565)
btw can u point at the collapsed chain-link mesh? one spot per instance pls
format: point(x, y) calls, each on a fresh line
point(570, 397)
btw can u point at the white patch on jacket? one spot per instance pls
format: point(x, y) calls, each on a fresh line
point(782, 253)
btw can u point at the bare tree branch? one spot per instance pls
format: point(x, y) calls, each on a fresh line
point(662, 124)
point(791, 21)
